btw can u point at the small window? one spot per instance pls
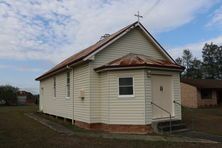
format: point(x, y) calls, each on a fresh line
point(206, 93)
point(54, 86)
point(126, 86)
point(68, 84)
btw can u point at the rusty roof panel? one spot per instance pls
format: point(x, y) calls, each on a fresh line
point(139, 60)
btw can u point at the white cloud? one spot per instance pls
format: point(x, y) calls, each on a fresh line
point(20, 68)
point(195, 48)
point(55, 29)
point(216, 17)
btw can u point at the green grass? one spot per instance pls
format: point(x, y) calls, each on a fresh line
point(206, 119)
point(17, 130)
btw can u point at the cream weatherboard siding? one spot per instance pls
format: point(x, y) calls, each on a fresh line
point(177, 95)
point(122, 110)
point(95, 99)
point(82, 83)
point(59, 105)
point(127, 110)
point(104, 97)
point(175, 92)
point(101, 103)
point(133, 42)
point(148, 98)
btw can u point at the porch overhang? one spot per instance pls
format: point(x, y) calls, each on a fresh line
point(138, 61)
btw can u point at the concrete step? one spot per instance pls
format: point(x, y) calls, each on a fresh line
point(165, 126)
point(174, 126)
point(167, 123)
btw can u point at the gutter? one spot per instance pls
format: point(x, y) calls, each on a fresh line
point(59, 70)
point(137, 67)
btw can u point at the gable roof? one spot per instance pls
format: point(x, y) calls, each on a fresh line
point(93, 49)
point(132, 60)
point(203, 83)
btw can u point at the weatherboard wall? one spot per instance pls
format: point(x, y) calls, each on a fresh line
point(82, 84)
point(63, 106)
point(133, 42)
point(101, 103)
point(59, 105)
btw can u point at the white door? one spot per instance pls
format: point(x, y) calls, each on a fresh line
point(161, 95)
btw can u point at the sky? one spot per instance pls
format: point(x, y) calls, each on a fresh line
point(35, 35)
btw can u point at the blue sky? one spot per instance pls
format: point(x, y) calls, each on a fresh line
point(37, 34)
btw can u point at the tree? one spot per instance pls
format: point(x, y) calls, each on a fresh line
point(8, 93)
point(179, 61)
point(211, 61)
point(209, 68)
point(219, 62)
point(187, 57)
point(193, 65)
point(186, 61)
point(196, 69)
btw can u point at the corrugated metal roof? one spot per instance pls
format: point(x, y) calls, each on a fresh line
point(84, 53)
point(90, 50)
point(203, 83)
point(132, 59)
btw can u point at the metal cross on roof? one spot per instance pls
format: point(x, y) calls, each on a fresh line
point(138, 16)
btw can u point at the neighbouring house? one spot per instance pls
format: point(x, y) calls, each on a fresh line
point(123, 83)
point(25, 98)
point(201, 93)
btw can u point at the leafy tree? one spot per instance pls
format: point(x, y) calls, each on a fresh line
point(8, 93)
point(193, 65)
point(219, 62)
point(187, 57)
point(179, 61)
point(209, 68)
point(211, 61)
point(196, 69)
point(186, 61)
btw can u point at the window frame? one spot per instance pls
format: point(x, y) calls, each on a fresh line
point(210, 91)
point(126, 96)
point(54, 87)
point(68, 96)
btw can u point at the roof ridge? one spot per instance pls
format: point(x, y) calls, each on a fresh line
point(85, 52)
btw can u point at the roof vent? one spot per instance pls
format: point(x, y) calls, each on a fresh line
point(104, 36)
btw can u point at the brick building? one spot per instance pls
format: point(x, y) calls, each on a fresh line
point(25, 98)
point(201, 93)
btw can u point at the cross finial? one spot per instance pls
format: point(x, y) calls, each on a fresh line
point(138, 16)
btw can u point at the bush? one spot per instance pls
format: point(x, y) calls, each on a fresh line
point(8, 94)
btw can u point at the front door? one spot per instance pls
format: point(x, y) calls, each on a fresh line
point(161, 95)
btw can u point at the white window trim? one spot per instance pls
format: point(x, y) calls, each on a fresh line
point(126, 96)
point(54, 88)
point(67, 93)
point(68, 97)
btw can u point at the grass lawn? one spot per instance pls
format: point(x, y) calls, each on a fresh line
point(206, 120)
point(17, 130)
